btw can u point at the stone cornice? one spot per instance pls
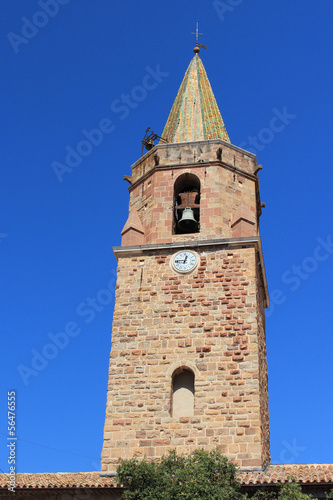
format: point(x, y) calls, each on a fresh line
point(196, 143)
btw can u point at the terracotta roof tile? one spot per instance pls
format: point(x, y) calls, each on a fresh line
point(303, 473)
point(60, 480)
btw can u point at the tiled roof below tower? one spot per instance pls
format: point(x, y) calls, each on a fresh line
point(307, 475)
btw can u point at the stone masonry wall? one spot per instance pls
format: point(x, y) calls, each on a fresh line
point(222, 193)
point(208, 321)
point(191, 153)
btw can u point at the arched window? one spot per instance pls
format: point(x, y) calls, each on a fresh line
point(183, 393)
point(186, 204)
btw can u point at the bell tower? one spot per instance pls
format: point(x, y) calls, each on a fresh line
point(188, 360)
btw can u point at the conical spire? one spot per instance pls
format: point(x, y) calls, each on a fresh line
point(195, 115)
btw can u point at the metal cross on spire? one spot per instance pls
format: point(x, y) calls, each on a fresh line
point(197, 44)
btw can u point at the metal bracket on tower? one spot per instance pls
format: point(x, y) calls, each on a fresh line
point(149, 140)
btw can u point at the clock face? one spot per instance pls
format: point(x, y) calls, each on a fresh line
point(185, 261)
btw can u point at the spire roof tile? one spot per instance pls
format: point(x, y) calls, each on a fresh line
point(195, 115)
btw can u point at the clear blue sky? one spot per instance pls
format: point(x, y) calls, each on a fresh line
point(64, 77)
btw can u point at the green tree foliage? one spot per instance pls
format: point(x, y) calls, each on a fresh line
point(286, 491)
point(200, 475)
point(291, 491)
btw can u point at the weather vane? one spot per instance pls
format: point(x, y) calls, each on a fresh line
point(197, 44)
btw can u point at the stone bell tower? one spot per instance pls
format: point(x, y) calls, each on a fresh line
point(188, 360)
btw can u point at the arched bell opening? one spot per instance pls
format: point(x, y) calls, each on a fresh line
point(182, 404)
point(186, 204)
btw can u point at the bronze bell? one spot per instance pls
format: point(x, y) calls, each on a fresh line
point(149, 144)
point(188, 223)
